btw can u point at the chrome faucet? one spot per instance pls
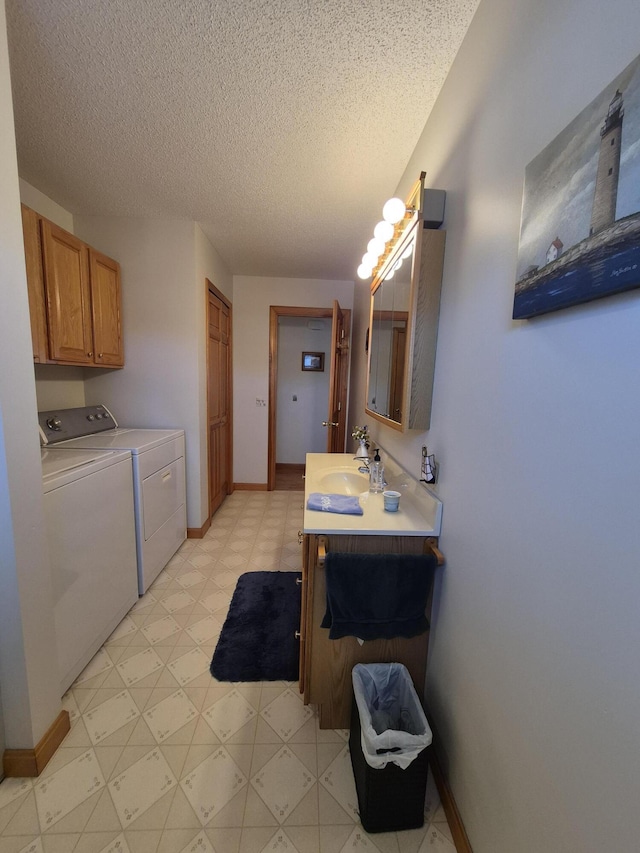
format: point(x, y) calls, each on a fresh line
point(364, 468)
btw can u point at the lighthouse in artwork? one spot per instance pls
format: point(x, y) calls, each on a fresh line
point(603, 212)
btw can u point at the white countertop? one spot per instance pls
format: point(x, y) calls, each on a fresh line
point(420, 512)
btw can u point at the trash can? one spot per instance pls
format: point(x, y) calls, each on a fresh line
point(390, 764)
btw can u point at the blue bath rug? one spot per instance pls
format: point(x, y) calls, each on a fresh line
point(258, 641)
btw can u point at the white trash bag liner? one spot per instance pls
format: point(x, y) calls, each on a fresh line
point(385, 690)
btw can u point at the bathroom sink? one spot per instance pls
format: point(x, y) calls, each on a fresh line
point(337, 473)
point(343, 481)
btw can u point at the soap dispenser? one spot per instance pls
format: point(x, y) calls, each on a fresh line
point(376, 474)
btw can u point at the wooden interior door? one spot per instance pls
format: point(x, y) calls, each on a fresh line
point(336, 423)
point(219, 397)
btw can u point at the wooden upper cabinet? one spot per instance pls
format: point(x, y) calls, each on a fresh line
point(35, 282)
point(74, 297)
point(105, 302)
point(68, 295)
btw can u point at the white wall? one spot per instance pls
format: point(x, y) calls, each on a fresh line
point(252, 296)
point(59, 386)
point(299, 427)
point(534, 674)
point(28, 665)
point(158, 387)
point(45, 206)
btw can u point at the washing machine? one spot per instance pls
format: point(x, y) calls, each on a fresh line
point(158, 460)
point(88, 508)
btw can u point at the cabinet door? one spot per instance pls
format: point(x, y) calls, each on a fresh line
point(304, 620)
point(68, 298)
point(35, 282)
point(105, 303)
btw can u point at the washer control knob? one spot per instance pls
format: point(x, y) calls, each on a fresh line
point(54, 423)
point(91, 417)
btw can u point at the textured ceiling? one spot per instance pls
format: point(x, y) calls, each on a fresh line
point(281, 126)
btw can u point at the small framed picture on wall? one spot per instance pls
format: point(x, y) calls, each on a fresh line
point(313, 361)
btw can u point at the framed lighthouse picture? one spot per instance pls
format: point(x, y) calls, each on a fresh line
point(580, 229)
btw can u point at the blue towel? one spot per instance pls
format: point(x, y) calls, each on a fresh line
point(344, 504)
point(377, 596)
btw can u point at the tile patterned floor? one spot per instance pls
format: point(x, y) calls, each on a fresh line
point(162, 758)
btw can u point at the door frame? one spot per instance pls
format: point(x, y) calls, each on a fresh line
point(275, 312)
point(209, 287)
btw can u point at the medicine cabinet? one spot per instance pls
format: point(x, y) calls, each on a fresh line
point(403, 327)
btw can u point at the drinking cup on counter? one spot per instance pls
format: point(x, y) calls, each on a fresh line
point(391, 501)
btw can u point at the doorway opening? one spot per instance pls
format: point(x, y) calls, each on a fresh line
point(308, 370)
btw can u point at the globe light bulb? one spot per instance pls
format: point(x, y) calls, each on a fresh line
point(364, 271)
point(383, 231)
point(369, 260)
point(394, 210)
point(407, 252)
point(376, 246)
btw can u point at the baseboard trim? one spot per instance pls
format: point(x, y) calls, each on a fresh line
point(251, 487)
point(460, 838)
point(198, 532)
point(31, 762)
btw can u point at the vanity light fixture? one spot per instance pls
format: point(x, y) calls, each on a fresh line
point(393, 210)
point(369, 260)
point(376, 247)
point(383, 231)
point(398, 216)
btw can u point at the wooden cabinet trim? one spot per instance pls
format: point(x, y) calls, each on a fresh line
point(35, 282)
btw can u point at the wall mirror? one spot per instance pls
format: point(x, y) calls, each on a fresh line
point(405, 302)
point(388, 343)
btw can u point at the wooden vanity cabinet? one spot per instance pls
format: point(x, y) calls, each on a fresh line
point(325, 665)
point(74, 297)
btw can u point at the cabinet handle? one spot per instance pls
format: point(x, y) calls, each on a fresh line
point(297, 635)
point(90, 354)
point(299, 581)
point(99, 355)
point(299, 537)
